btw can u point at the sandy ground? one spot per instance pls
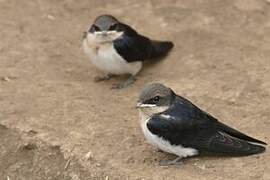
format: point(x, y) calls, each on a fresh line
point(56, 123)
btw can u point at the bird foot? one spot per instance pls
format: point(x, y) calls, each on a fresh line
point(124, 84)
point(178, 161)
point(102, 78)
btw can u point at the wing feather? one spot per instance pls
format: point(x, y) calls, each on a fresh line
point(135, 47)
point(204, 136)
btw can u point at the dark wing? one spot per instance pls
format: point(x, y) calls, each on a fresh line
point(237, 134)
point(185, 124)
point(160, 48)
point(203, 138)
point(230, 131)
point(135, 47)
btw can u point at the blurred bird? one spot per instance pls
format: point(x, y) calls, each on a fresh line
point(115, 48)
point(175, 125)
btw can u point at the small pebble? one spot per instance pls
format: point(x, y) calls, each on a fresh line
point(88, 155)
point(50, 17)
point(7, 79)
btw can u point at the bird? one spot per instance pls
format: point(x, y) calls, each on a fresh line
point(116, 48)
point(175, 125)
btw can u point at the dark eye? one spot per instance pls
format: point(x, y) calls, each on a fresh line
point(94, 28)
point(156, 99)
point(113, 27)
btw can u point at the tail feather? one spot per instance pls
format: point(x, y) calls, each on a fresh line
point(223, 143)
point(248, 149)
point(238, 134)
point(255, 149)
point(160, 48)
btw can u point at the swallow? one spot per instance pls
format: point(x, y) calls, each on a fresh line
point(175, 125)
point(116, 48)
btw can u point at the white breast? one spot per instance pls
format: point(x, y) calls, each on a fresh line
point(162, 144)
point(105, 58)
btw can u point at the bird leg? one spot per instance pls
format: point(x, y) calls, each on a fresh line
point(102, 78)
point(131, 79)
point(176, 161)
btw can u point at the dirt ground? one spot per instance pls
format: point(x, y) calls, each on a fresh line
point(56, 123)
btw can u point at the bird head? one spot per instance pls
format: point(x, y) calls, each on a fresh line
point(105, 28)
point(155, 98)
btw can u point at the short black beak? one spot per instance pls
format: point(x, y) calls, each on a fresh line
point(138, 105)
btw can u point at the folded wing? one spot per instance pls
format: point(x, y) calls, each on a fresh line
point(205, 137)
point(135, 47)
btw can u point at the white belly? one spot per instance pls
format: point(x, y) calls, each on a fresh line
point(162, 144)
point(105, 58)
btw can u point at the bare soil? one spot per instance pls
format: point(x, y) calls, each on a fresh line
point(56, 123)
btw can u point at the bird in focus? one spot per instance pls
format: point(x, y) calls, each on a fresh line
point(175, 125)
point(116, 48)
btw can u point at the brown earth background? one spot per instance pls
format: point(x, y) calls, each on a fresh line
point(57, 124)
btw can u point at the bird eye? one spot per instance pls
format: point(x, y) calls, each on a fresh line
point(94, 28)
point(113, 27)
point(156, 99)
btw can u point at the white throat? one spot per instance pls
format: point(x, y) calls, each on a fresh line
point(104, 36)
